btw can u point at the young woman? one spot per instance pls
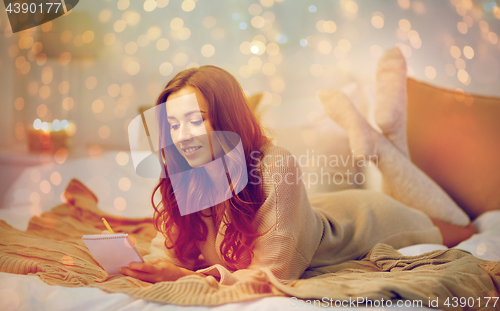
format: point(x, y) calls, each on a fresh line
point(271, 223)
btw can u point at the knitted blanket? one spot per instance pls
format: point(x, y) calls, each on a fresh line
point(52, 249)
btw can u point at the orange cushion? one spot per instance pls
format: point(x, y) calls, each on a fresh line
point(455, 139)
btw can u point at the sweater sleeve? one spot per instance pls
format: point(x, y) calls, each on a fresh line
point(291, 230)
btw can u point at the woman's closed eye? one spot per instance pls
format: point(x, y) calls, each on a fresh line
point(176, 126)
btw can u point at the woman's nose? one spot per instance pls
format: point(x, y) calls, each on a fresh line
point(185, 133)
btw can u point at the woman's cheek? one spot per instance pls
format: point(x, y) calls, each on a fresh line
point(198, 130)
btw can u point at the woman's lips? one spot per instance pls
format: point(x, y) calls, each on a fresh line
point(190, 151)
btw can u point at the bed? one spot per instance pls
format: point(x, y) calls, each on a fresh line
point(105, 177)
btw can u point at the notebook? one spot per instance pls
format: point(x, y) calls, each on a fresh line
point(112, 251)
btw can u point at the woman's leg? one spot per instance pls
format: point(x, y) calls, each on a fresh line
point(390, 98)
point(403, 180)
point(390, 116)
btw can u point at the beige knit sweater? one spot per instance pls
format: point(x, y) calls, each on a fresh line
point(300, 232)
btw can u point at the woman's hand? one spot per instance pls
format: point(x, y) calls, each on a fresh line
point(156, 270)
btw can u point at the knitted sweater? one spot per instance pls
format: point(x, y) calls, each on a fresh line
point(301, 232)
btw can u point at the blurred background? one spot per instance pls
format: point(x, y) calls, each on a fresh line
point(70, 87)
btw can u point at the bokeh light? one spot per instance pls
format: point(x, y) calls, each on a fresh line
point(324, 47)
point(42, 110)
point(430, 72)
point(180, 59)
point(268, 69)
point(166, 69)
point(61, 155)
point(255, 62)
point(64, 87)
point(105, 16)
point(45, 186)
point(468, 52)
point(162, 44)
point(378, 20)
point(91, 82)
point(120, 203)
point(35, 198)
point(188, 5)
point(255, 9)
point(149, 5)
point(450, 69)
point(97, 106)
point(162, 3)
point(123, 4)
point(154, 32)
point(176, 23)
point(462, 28)
point(208, 50)
point(131, 18)
point(481, 249)
point(455, 51)
point(19, 103)
point(55, 178)
point(68, 103)
point(133, 68)
point(460, 63)
point(124, 184)
point(131, 48)
point(114, 90)
point(104, 132)
point(405, 25)
point(119, 25)
point(37, 124)
point(122, 158)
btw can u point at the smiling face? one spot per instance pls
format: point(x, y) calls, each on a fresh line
point(187, 115)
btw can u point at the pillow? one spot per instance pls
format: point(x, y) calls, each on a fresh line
point(323, 153)
point(455, 139)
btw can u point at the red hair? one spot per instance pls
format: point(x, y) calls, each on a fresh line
point(227, 111)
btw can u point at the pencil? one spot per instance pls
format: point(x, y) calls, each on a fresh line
point(107, 225)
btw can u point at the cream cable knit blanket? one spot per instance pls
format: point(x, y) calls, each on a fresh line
point(52, 249)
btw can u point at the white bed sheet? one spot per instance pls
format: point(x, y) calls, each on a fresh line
point(102, 175)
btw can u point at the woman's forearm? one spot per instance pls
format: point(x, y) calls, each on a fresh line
point(185, 272)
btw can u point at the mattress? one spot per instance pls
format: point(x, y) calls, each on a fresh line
point(110, 181)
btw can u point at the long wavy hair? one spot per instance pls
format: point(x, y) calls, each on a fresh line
point(227, 111)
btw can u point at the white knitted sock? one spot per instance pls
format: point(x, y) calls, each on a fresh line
point(339, 108)
point(405, 181)
point(390, 97)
